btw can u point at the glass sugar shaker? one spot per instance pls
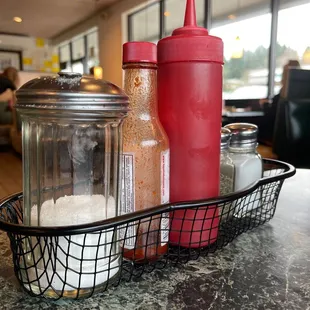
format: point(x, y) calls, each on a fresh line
point(248, 164)
point(227, 170)
point(71, 134)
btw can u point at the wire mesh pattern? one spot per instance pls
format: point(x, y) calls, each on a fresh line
point(76, 261)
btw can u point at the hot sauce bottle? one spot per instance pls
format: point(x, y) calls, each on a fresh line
point(145, 173)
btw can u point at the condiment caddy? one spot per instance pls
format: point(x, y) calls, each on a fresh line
point(11, 219)
point(88, 218)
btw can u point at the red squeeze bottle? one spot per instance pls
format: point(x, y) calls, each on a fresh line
point(190, 64)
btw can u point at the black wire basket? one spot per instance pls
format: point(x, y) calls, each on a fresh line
point(76, 261)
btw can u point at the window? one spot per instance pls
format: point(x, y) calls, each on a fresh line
point(92, 49)
point(174, 14)
point(145, 24)
point(292, 41)
point(245, 30)
point(78, 55)
point(78, 67)
point(81, 53)
point(65, 59)
point(78, 48)
point(245, 27)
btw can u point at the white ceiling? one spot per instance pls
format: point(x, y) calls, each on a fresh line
point(46, 18)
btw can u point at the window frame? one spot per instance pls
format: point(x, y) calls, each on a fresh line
point(83, 59)
point(161, 9)
point(275, 7)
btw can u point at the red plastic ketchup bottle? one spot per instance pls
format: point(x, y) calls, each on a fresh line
point(190, 64)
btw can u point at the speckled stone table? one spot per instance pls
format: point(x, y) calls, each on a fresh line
point(267, 268)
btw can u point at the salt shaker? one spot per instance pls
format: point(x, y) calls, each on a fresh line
point(71, 131)
point(247, 164)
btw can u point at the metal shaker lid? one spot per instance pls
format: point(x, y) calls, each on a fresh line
point(225, 137)
point(242, 133)
point(71, 92)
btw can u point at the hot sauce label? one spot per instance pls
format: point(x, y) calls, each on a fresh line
point(128, 196)
point(165, 189)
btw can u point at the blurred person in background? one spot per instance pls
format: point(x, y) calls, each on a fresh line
point(92, 71)
point(270, 108)
point(9, 81)
point(6, 95)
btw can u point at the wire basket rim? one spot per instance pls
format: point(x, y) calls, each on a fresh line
point(140, 214)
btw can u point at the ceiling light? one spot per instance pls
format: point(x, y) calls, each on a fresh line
point(231, 16)
point(167, 13)
point(17, 19)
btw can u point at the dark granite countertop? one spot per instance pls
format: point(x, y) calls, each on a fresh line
point(267, 268)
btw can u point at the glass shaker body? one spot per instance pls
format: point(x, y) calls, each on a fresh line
point(71, 160)
point(227, 166)
point(248, 166)
point(227, 171)
point(146, 155)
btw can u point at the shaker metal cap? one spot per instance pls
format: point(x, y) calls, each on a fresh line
point(225, 137)
point(242, 133)
point(72, 92)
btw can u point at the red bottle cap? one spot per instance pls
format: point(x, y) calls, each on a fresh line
point(139, 52)
point(190, 43)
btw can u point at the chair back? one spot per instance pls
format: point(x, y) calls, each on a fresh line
point(292, 132)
